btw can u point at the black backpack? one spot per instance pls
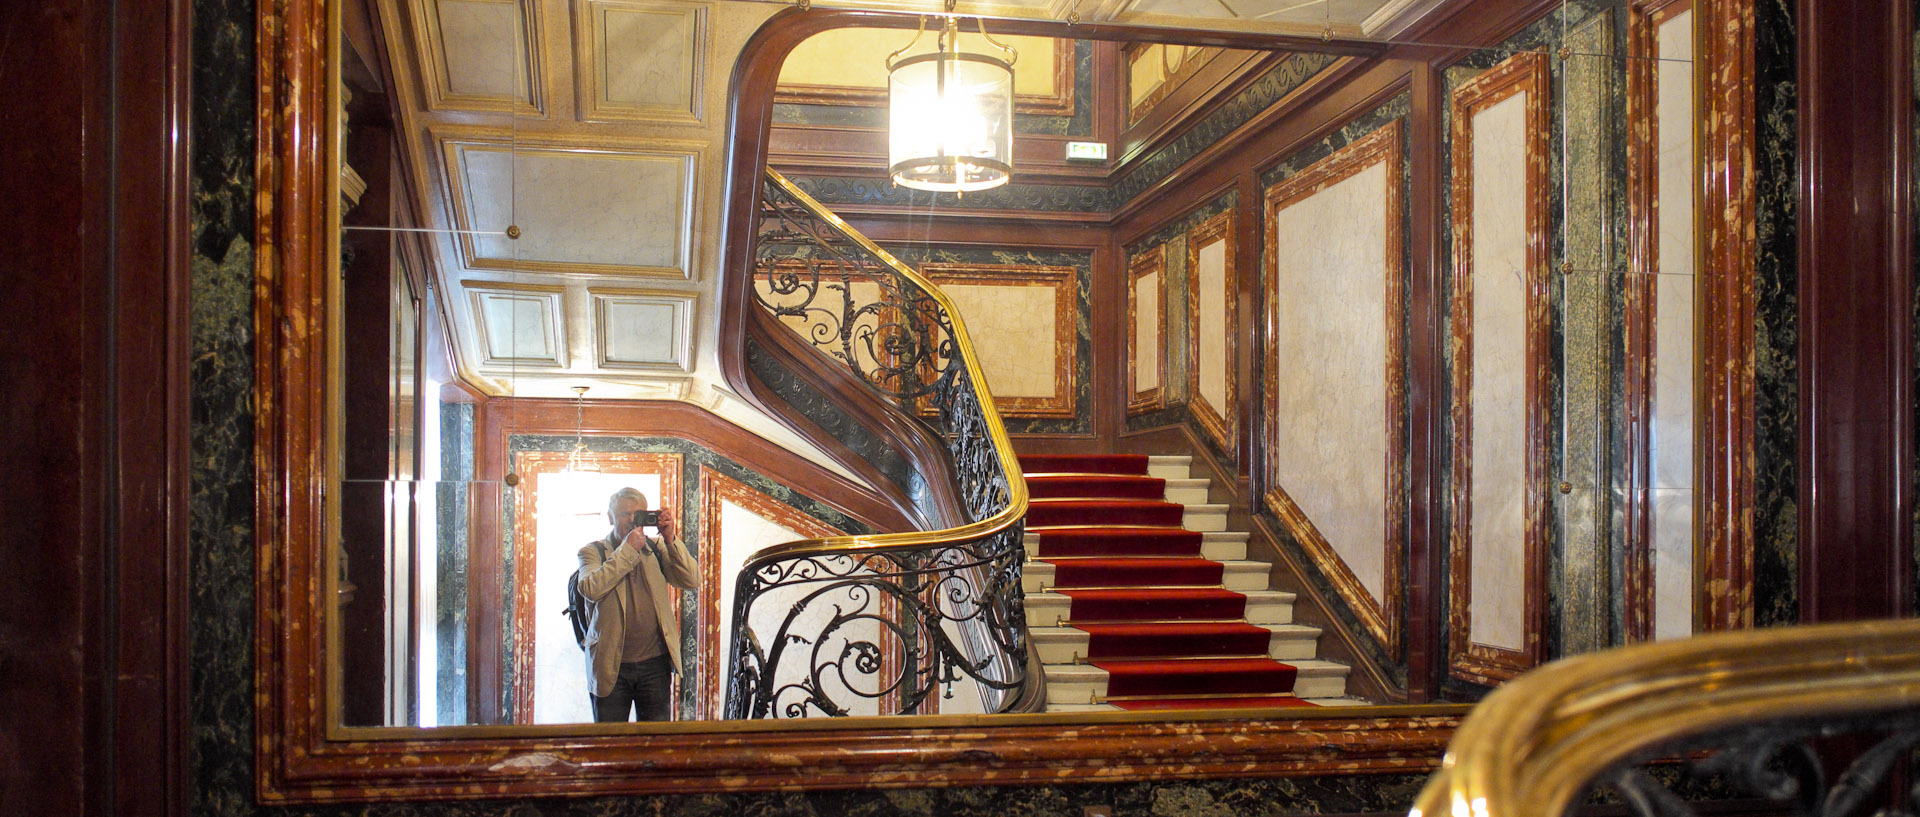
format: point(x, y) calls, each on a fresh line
point(577, 603)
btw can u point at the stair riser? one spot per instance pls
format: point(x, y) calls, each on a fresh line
point(1219, 546)
point(1283, 646)
point(1050, 612)
point(1039, 577)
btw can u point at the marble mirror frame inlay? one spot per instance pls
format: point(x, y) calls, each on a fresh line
point(304, 755)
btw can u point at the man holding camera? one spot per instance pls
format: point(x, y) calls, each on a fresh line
point(633, 633)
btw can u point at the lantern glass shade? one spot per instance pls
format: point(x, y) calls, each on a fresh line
point(950, 122)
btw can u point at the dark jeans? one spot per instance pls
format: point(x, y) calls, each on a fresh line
point(645, 686)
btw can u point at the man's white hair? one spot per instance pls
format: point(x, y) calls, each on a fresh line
point(624, 493)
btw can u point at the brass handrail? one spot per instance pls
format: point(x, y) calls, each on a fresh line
point(1533, 746)
point(960, 548)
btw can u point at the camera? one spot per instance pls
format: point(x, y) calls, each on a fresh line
point(644, 518)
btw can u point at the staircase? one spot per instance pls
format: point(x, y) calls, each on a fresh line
point(1138, 598)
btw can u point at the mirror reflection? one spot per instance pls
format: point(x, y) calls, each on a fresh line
point(1195, 307)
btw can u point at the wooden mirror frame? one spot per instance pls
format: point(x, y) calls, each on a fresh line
point(303, 755)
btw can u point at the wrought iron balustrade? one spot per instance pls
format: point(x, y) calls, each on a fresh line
point(892, 623)
point(1731, 716)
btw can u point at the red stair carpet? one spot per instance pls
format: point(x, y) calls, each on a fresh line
point(1159, 621)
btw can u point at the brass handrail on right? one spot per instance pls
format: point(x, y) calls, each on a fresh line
point(1743, 705)
point(898, 623)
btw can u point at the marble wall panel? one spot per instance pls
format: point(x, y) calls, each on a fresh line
point(1146, 319)
point(1501, 362)
point(1776, 392)
point(1213, 301)
point(639, 59)
point(1333, 398)
point(1673, 333)
point(1499, 384)
point(1021, 320)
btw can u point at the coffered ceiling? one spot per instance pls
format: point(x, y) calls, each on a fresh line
point(565, 157)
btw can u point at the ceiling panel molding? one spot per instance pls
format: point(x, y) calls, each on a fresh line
point(635, 329)
point(584, 208)
point(518, 326)
point(639, 60)
point(478, 55)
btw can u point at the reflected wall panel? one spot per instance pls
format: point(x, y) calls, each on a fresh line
point(1023, 323)
point(1211, 295)
point(1146, 320)
point(1334, 398)
point(1501, 362)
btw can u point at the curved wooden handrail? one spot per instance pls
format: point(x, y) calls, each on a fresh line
point(1536, 744)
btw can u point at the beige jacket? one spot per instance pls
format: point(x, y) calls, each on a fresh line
point(609, 596)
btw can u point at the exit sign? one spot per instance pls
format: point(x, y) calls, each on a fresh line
point(1086, 151)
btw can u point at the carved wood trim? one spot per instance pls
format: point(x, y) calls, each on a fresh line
point(1724, 438)
point(1151, 262)
point(1222, 423)
point(1638, 291)
point(1524, 73)
point(1382, 617)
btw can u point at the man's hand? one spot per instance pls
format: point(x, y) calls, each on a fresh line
point(667, 529)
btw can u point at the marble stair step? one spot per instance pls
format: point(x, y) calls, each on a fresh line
point(1169, 467)
point(1086, 684)
point(1236, 575)
point(1187, 491)
point(1204, 518)
point(1220, 546)
point(1264, 607)
point(1066, 645)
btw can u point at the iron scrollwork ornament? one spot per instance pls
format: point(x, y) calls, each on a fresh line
point(881, 631)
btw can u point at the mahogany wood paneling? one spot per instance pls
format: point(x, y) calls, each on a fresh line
point(1724, 474)
point(1427, 443)
point(1524, 73)
point(1221, 422)
point(1139, 357)
point(1380, 616)
point(1856, 452)
point(96, 472)
point(1638, 288)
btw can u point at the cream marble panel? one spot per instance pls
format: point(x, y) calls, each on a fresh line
point(1331, 341)
point(1216, 323)
point(646, 56)
point(1672, 562)
point(596, 209)
point(1674, 110)
point(519, 328)
point(643, 330)
point(1499, 375)
point(1013, 331)
point(1146, 330)
point(744, 533)
point(481, 48)
point(1673, 396)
